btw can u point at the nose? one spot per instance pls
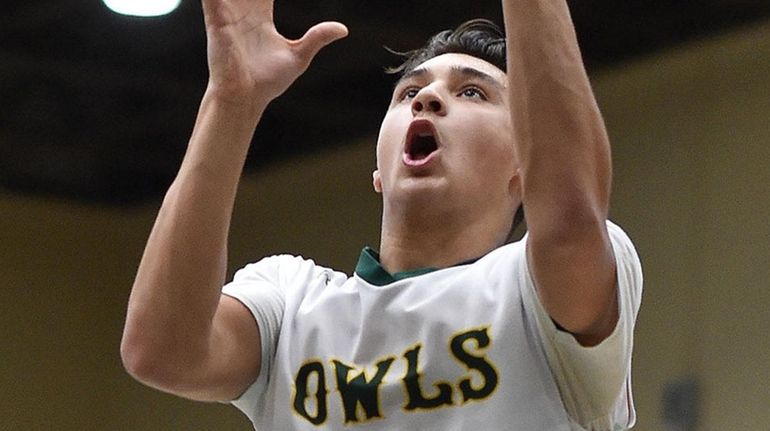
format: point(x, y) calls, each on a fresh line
point(427, 100)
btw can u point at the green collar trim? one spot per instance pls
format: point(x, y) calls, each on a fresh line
point(370, 269)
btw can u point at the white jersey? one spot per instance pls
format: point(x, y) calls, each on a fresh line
point(468, 347)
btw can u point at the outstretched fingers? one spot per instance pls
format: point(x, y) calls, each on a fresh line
point(318, 37)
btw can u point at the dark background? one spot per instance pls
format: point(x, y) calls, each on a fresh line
point(98, 107)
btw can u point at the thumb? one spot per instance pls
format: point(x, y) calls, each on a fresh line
point(318, 37)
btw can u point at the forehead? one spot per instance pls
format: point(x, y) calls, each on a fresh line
point(446, 63)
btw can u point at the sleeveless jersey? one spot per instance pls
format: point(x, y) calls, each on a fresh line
point(468, 347)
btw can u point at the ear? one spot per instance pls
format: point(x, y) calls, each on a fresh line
point(377, 181)
point(514, 185)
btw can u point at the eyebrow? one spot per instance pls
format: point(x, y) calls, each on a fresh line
point(466, 71)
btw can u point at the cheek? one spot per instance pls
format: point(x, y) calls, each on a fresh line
point(502, 136)
point(388, 138)
point(489, 164)
point(494, 160)
point(492, 146)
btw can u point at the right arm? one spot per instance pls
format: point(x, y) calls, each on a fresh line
point(181, 335)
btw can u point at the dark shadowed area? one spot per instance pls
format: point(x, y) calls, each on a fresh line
point(98, 107)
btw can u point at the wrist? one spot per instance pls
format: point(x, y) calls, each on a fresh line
point(236, 100)
point(223, 132)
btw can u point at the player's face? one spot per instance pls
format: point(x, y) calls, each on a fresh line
point(447, 135)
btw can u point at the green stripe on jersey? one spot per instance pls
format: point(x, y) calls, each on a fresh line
point(370, 269)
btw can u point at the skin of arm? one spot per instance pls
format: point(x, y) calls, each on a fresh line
point(565, 167)
point(181, 335)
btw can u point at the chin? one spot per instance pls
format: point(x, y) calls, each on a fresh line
point(419, 190)
point(422, 185)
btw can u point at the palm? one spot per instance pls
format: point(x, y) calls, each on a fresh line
point(246, 52)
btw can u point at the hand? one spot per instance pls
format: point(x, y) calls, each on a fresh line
point(248, 59)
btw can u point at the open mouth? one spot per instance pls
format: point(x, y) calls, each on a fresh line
point(421, 141)
point(421, 147)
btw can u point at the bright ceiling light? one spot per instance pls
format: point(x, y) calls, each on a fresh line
point(142, 7)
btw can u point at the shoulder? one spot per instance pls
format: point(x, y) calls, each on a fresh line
point(507, 262)
point(594, 381)
point(622, 245)
point(506, 252)
point(628, 266)
point(274, 262)
point(283, 269)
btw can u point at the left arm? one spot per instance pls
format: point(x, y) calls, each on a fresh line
point(565, 165)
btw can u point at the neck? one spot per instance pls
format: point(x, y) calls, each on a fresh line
point(420, 240)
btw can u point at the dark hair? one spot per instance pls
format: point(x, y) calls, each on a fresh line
point(479, 38)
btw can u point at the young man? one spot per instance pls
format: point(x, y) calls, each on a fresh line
point(448, 327)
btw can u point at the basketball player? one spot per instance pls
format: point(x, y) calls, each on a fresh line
point(448, 326)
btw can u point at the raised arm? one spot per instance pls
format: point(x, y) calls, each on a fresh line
point(181, 335)
point(565, 168)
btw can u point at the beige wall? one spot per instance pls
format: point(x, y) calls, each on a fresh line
point(692, 185)
point(692, 165)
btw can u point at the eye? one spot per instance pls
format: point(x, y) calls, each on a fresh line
point(408, 93)
point(473, 93)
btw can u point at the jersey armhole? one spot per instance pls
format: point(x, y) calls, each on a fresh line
point(572, 365)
